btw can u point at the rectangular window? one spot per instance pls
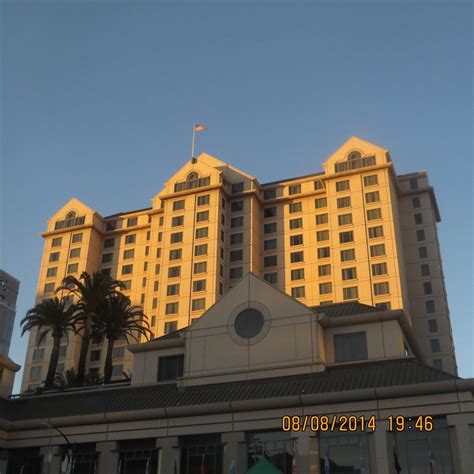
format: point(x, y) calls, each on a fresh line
point(95, 356)
point(143, 284)
point(109, 243)
point(270, 261)
point(420, 235)
point(416, 202)
point(269, 194)
point(427, 288)
point(178, 205)
point(172, 290)
point(324, 270)
point(236, 222)
point(298, 292)
point(56, 242)
point(130, 239)
point(379, 269)
point(322, 235)
point(203, 200)
point(35, 372)
point(342, 185)
point(324, 252)
point(132, 221)
point(200, 250)
point(237, 206)
point(106, 271)
point(62, 351)
point(325, 288)
point(236, 255)
point(350, 346)
point(198, 304)
point(269, 212)
point(294, 207)
point(175, 254)
point(174, 272)
point(343, 202)
point(128, 254)
point(385, 306)
point(51, 272)
point(271, 277)
point(321, 219)
point(418, 218)
point(349, 273)
point(127, 284)
point(381, 288)
point(156, 284)
point(73, 268)
point(161, 221)
point(177, 221)
point(160, 236)
point(147, 251)
point(127, 269)
point(75, 253)
point(298, 239)
point(170, 367)
point(375, 232)
point(118, 353)
point(318, 184)
point(435, 345)
point(117, 370)
point(270, 228)
point(199, 285)
point(345, 237)
point(377, 250)
point(438, 364)
point(413, 183)
point(202, 216)
point(235, 273)
point(295, 223)
point(347, 255)
point(425, 269)
point(200, 267)
point(176, 237)
point(423, 252)
point(171, 308)
point(344, 219)
point(430, 306)
point(432, 325)
point(320, 203)
point(157, 269)
point(374, 214)
point(237, 188)
point(236, 239)
point(202, 233)
point(372, 197)
point(38, 354)
point(107, 257)
point(296, 257)
point(351, 293)
point(297, 274)
point(294, 189)
point(371, 180)
point(77, 238)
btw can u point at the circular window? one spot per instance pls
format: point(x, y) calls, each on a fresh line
point(249, 323)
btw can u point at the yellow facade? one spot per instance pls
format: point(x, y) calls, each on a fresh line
point(351, 232)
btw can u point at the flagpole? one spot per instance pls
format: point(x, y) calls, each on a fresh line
point(194, 138)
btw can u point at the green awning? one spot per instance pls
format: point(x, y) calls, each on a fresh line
point(264, 466)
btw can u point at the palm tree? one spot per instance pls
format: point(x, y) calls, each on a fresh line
point(119, 319)
point(91, 292)
point(68, 379)
point(55, 316)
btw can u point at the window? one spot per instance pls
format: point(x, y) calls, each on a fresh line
point(72, 268)
point(377, 250)
point(269, 194)
point(294, 207)
point(236, 222)
point(347, 255)
point(131, 221)
point(270, 261)
point(156, 283)
point(107, 257)
point(172, 290)
point(322, 235)
point(237, 206)
point(435, 345)
point(203, 200)
point(106, 271)
point(178, 205)
point(430, 306)
point(324, 270)
point(294, 224)
point(95, 356)
point(416, 202)
point(128, 254)
point(296, 257)
point(117, 370)
point(174, 272)
point(236, 239)
point(127, 269)
point(237, 188)
point(375, 232)
point(38, 354)
point(372, 197)
point(374, 214)
point(345, 237)
point(297, 274)
point(170, 367)
point(432, 325)
point(176, 237)
point(35, 372)
point(420, 235)
point(271, 277)
point(269, 212)
point(171, 308)
point(379, 269)
point(200, 267)
point(427, 288)
point(321, 219)
point(56, 242)
point(77, 238)
point(418, 218)
point(343, 202)
point(75, 253)
point(236, 255)
point(160, 222)
point(49, 288)
point(235, 273)
point(223, 203)
point(143, 284)
point(177, 221)
point(423, 252)
point(157, 269)
point(298, 292)
point(51, 272)
point(349, 273)
point(325, 288)
point(270, 228)
point(130, 238)
point(109, 243)
point(381, 288)
point(344, 219)
point(342, 185)
point(160, 236)
point(318, 184)
point(147, 251)
point(175, 254)
point(297, 239)
point(351, 293)
point(413, 183)
point(199, 285)
point(62, 351)
point(118, 353)
point(425, 269)
point(112, 225)
point(350, 346)
point(324, 252)
point(294, 189)
point(371, 180)
point(385, 306)
point(198, 304)
point(202, 233)
point(320, 203)
point(438, 364)
point(200, 250)
point(202, 216)
point(127, 284)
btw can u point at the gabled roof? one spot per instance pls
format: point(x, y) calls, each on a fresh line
point(344, 309)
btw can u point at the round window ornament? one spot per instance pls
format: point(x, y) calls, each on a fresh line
point(249, 323)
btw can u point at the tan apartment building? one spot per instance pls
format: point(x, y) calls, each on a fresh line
point(356, 231)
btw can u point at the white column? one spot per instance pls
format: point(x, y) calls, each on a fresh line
point(307, 447)
point(52, 457)
point(168, 455)
point(108, 457)
point(235, 449)
point(461, 446)
point(383, 447)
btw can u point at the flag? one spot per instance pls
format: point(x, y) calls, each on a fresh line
point(203, 469)
point(327, 466)
point(199, 127)
point(295, 453)
point(395, 459)
point(432, 463)
point(147, 468)
point(233, 467)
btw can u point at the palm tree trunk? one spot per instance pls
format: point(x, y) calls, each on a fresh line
point(108, 360)
point(53, 362)
point(81, 366)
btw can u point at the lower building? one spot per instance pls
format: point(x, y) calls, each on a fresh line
point(261, 383)
point(8, 294)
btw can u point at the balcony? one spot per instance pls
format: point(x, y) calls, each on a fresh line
point(71, 222)
point(354, 164)
point(192, 184)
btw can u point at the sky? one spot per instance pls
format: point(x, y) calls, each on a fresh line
point(98, 98)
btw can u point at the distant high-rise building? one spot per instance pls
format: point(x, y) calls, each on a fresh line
point(8, 294)
point(355, 232)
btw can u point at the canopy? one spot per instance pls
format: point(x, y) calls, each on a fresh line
point(264, 466)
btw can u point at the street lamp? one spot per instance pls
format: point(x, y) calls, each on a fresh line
point(66, 463)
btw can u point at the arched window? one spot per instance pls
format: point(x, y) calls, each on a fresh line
point(70, 215)
point(192, 176)
point(354, 155)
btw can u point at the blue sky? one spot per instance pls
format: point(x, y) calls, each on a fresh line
point(98, 100)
